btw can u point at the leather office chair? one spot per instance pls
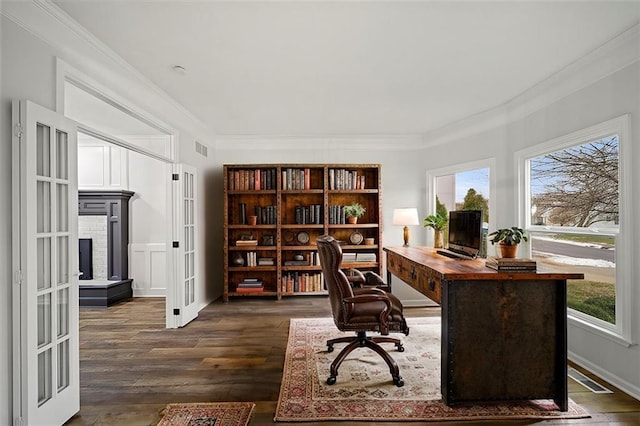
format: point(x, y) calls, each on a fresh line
point(360, 310)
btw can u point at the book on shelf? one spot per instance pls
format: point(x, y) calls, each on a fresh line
point(266, 261)
point(249, 289)
point(511, 264)
point(246, 242)
point(349, 257)
point(366, 257)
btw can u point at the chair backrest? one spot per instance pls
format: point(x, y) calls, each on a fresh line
point(338, 285)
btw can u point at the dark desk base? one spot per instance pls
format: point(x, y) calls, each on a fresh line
point(504, 340)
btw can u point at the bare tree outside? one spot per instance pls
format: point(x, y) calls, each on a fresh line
point(577, 186)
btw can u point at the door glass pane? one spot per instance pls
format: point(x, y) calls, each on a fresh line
point(187, 243)
point(187, 289)
point(62, 192)
point(62, 168)
point(63, 365)
point(44, 263)
point(63, 312)
point(63, 260)
point(192, 239)
point(192, 286)
point(44, 319)
point(191, 212)
point(43, 148)
point(43, 210)
point(44, 376)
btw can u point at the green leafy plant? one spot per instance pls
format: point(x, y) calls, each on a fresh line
point(508, 236)
point(436, 221)
point(354, 210)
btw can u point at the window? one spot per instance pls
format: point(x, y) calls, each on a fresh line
point(574, 190)
point(462, 187)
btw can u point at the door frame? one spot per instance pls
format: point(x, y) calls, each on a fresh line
point(66, 73)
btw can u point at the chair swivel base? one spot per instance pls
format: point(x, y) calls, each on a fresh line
point(360, 341)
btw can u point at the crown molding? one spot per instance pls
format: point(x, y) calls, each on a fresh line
point(614, 55)
point(313, 143)
point(49, 23)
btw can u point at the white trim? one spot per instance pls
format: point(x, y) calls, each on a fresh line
point(67, 73)
point(615, 55)
point(619, 382)
point(489, 163)
point(395, 142)
point(621, 332)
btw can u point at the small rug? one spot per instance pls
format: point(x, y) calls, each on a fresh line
point(364, 389)
point(207, 414)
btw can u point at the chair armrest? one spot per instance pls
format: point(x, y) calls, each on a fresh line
point(355, 277)
point(377, 297)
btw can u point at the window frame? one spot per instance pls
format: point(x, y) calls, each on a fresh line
point(432, 175)
point(620, 332)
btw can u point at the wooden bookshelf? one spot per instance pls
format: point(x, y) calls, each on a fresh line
point(294, 204)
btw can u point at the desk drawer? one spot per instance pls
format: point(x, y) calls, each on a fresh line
point(429, 284)
point(402, 268)
point(417, 276)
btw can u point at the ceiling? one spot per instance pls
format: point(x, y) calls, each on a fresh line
point(348, 67)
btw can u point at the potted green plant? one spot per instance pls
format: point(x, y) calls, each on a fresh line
point(438, 222)
point(354, 211)
point(508, 240)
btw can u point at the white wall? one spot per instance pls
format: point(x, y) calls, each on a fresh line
point(28, 71)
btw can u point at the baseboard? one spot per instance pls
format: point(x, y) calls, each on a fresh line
point(620, 383)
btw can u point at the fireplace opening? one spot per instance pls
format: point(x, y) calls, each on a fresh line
point(85, 257)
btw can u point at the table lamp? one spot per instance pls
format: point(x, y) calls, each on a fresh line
point(406, 217)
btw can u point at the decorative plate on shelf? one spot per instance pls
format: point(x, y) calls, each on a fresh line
point(355, 238)
point(303, 237)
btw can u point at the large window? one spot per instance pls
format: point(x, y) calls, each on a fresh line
point(573, 192)
point(462, 187)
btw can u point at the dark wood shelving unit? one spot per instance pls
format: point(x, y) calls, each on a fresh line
point(292, 202)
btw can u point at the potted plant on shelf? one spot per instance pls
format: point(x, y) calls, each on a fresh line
point(508, 240)
point(438, 222)
point(353, 212)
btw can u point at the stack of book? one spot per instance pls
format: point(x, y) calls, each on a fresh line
point(511, 265)
point(366, 257)
point(250, 285)
point(266, 261)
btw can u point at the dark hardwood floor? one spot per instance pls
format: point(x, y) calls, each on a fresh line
point(131, 366)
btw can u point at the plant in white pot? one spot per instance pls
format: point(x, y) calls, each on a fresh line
point(438, 222)
point(354, 211)
point(508, 240)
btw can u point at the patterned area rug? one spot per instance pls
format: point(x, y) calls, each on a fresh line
point(364, 389)
point(207, 414)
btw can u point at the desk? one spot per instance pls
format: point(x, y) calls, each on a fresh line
point(504, 335)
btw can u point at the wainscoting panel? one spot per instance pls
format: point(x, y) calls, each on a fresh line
point(147, 267)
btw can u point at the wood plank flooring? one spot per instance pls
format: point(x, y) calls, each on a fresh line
point(131, 366)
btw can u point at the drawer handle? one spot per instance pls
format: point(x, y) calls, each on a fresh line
point(432, 284)
point(413, 273)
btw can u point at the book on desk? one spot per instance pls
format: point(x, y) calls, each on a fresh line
point(511, 264)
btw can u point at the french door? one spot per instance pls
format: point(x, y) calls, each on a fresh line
point(45, 266)
point(183, 306)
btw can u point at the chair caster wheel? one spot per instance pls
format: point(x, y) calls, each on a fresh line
point(329, 348)
point(398, 382)
point(332, 380)
point(400, 348)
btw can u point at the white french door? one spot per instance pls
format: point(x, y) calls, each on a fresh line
point(45, 264)
point(183, 307)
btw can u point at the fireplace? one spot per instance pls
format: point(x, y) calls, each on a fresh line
point(109, 246)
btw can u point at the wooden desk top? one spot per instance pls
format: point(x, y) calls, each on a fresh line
point(451, 269)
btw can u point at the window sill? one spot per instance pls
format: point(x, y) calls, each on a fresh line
point(600, 331)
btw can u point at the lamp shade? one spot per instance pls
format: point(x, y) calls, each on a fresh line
point(408, 216)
